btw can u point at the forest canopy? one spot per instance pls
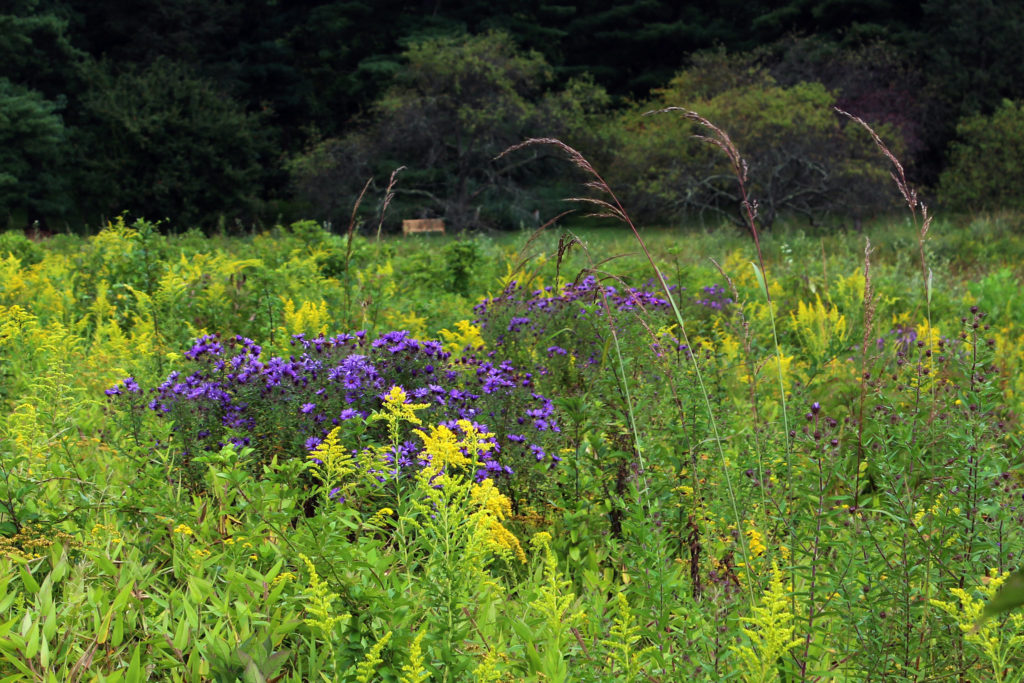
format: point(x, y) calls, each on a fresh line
point(235, 114)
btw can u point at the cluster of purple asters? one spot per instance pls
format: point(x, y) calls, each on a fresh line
point(714, 297)
point(587, 290)
point(284, 407)
point(519, 320)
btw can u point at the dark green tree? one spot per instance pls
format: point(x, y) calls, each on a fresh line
point(162, 143)
point(973, 51)
point(986, 161)
point(31, 150)
point(802, 159)
point(456, 105)
point(39, 71)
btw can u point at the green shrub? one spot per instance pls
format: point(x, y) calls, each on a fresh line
point(14, 243)
point(985, 161)
point(802, 158)
point(167, 140)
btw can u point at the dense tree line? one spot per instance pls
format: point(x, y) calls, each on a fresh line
point(230, 112)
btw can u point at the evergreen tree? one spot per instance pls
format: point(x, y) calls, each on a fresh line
point(163, 143)
point(31, 145)
point(39, 70)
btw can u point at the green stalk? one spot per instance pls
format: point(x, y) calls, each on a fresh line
point(614, 209)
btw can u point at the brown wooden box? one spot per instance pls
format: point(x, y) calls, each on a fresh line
point(410, 227)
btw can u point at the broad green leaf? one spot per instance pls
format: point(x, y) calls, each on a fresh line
point(134, 673)
point(49, 620)
point(105, 564)
point(181, 635)
point(760, 279)
point(44, 652)
point(118, 604)
point(32, 641)
point(1009, 596)
point(29, 581)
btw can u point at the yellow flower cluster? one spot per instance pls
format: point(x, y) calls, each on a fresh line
point(106, 533)
point(30, 542)
point(500, 540)
point(332, 463)
point(320, 602)
point(769, 630)
point(283, 577)
point(308, 318)
point(554, 598)
point(486, 495)
point(366, 670)
point(755, 541)
point(998, 643)
point(381, 518)
point(622, 646)
point(397, 411)
point(413, 671)
point(446, 481)
point(444, 448)
point(933, 510)
point(466, 335)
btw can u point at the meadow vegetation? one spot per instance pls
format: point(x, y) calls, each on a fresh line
point(304, 456)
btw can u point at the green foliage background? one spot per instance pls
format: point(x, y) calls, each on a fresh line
point(290, 108)
point(652, 550)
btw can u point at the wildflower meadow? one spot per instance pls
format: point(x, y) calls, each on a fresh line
point(580, 453)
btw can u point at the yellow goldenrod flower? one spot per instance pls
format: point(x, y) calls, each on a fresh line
point(769, 631)
point(413, 671)
point(367, 668)
point(444, 448)
point(998, 643)
point(755, 542)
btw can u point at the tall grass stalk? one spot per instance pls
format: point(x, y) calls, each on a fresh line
point(389, 195)
point(612, 208)
point(348, 249)
point(719, 138)
point(921, 225)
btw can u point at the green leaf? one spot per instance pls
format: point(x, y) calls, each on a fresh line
point(105, 564)
point(199, 589)
point(181, 635)
point(31, 585)
point(32, 641)
point(44, 652)
point(760, 279)
point(134, 673)
point(49, 619)
point(1009, 596)
point(119, 602)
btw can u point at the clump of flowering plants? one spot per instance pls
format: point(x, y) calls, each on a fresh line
point(563, 331)
point(227, 392)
